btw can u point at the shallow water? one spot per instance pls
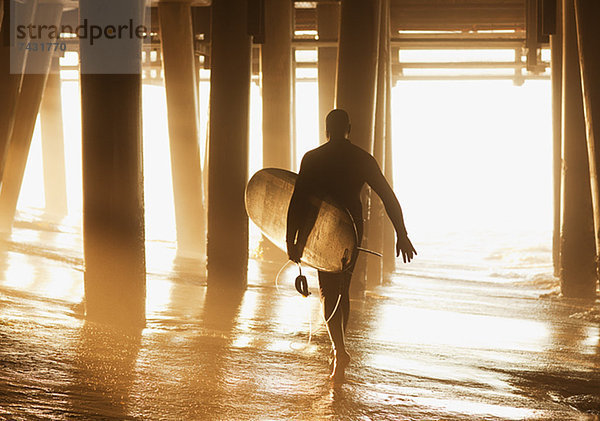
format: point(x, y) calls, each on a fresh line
point(461, 333)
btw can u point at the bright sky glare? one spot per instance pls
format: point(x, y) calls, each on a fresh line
point(467, 155)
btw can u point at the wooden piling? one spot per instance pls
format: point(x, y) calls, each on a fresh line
point(26, 112)
point(113, 186)
point(276, 67)
point(328, 26)
point(577, 249)
point(12, 66)
point(556, 51)
point(9, 87)
point(228, 151)
point(587, 14)
point(356, 83)
point(377, 211)
point(389, 233)
point(53, 144)
point(357, 67)
point(175, 18)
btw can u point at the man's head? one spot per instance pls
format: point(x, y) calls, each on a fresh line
point(337, 124)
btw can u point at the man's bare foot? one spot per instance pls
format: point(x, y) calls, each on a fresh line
point(340, 362)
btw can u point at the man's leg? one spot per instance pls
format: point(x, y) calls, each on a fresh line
point(335, 293)
point(345, 305)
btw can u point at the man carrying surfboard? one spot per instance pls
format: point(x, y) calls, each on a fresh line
point(339, 169)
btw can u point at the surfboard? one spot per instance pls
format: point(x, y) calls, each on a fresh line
point(331, 243)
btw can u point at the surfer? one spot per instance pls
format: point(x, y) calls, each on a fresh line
point(339, 169)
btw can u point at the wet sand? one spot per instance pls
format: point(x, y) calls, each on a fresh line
point(443, 340)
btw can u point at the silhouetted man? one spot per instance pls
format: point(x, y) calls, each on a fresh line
point(338, 170)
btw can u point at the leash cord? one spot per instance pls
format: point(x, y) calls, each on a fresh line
point(279, 273)
point(326, 320)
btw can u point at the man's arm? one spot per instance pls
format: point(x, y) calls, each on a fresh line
point(379, 184)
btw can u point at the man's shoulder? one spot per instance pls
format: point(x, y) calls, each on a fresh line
point(342, 150)
point(311, 160)
point(361, 153)
point(315, 153)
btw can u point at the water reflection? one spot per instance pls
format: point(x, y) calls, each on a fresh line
point(422, 348)
point(103, 371)
point(39, 276)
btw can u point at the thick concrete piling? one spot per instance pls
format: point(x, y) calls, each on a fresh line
point(578, 273)
point(356, 85)
point(182, 91)
point(228, 150)
point(26, 112)
point(276, 67)
point(328, 27)
point(53, 145)
point(113, 187)
point(587, 15)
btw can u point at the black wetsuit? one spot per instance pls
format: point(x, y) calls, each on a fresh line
point(339, 169)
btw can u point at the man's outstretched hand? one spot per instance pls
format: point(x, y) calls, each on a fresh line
point(404, 245)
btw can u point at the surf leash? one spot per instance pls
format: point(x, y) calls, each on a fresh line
point(301, 285)
point(279, 273)
point(374, 253)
